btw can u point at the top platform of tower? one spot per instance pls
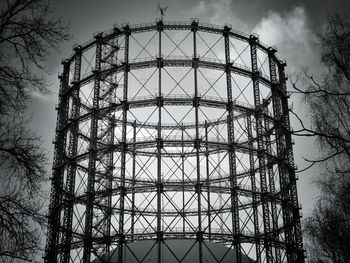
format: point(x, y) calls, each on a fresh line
point(160, 25)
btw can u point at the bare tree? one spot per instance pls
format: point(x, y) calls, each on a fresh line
point(27, 35)
point(328, 228)
point(328, 98)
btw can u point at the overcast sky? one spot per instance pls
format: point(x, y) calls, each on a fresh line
point(289, 25)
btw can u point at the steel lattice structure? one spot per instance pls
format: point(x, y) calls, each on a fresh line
point(173, 130)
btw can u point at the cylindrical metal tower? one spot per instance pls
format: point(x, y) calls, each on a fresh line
point(170, 134)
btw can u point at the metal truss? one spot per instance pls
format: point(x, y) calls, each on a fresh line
point(173, 131)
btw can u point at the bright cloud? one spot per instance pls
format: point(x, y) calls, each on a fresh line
point(291, 33)
point(216, 12)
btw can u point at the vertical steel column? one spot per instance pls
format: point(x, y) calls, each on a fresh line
point(297, 248)
point(274, 212)
point(232, 152)
point(218, 167)
point(208, 179)
point(261, 151)
point(57, 178)
point(197, 140)
point(72, 152)
point(183, 178)
point(110, 95)
point(284, 174)
point(109, 185)
point(254, 190)
point(123, 145)
point(282, 168)
point(90, 191)
point(133, 183)
point(159, 145)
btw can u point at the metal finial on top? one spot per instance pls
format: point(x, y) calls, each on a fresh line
point(161, 10)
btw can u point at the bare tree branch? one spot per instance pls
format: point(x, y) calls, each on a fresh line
point(27, 35)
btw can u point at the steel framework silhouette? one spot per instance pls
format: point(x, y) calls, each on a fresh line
point(173, 130)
